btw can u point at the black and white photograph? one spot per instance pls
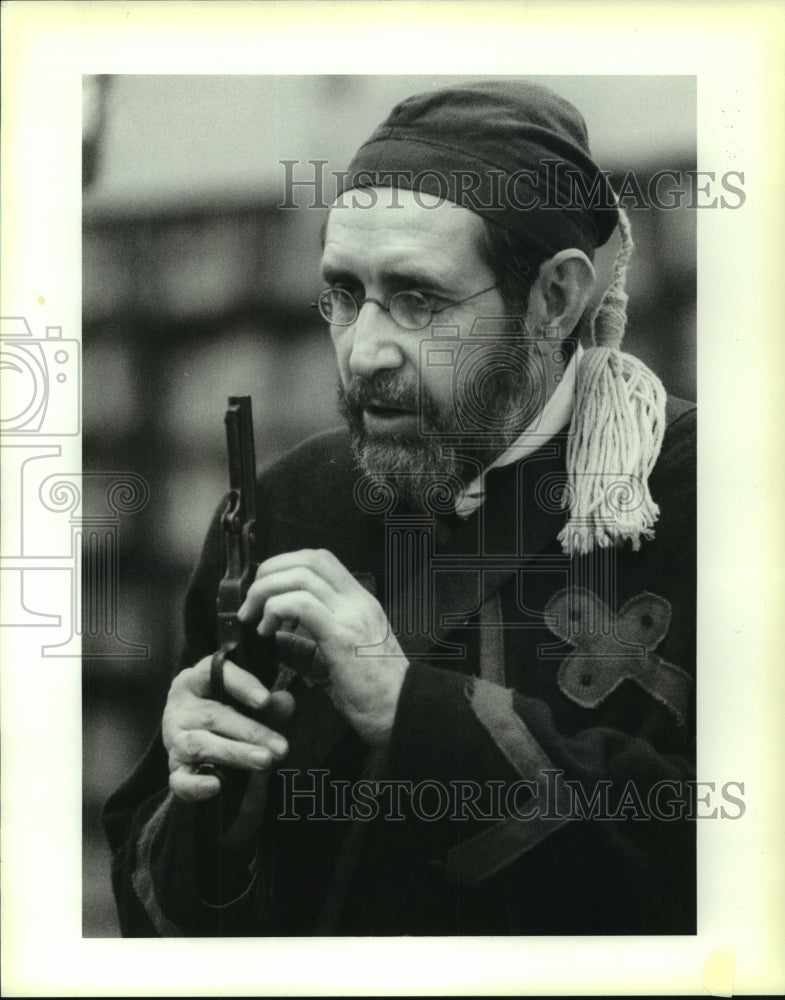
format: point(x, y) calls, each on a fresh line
point(477, 595)
point(362, 501)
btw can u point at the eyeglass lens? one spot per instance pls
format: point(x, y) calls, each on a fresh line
point(408, 309)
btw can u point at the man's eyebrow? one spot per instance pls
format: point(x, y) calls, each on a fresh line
point(402, 278)
point(413, 278)
point(330, 273)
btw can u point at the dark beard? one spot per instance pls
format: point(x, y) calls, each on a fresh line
point(491, 410)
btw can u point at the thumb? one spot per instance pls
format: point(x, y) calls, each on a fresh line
point(277, 713)
point(302, 655)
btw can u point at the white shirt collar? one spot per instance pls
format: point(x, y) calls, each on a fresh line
point(553, 416)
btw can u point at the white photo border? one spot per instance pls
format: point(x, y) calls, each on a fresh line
point(735, 53)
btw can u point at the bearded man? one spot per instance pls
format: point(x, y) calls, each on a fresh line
point(482, 595)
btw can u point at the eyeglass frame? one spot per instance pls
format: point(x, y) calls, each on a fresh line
point(387, 308)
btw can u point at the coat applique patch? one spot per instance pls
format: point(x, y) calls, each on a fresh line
point(612, 648)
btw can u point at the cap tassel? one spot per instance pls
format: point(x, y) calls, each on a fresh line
point(616, 433)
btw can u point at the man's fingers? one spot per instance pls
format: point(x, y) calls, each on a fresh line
point(197, 746)
point(244, 687)
point(193, 787)
point(223, 720)
point(301, 604)
point(238, 683)
point(283, 581)
point(320, 561)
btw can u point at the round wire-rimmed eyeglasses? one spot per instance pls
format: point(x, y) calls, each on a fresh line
point(410, 310)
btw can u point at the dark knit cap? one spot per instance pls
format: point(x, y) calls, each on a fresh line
point(510, 150)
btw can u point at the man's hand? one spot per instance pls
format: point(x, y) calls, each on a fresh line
point(367, 666)
point(197, 729)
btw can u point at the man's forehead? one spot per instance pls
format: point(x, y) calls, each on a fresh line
point(385, 208)
point(398, 222)
point(390, 197)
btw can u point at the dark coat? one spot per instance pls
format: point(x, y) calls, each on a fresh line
point(571, 677)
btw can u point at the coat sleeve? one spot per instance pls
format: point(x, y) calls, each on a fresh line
point(168, 878)
point(163, 870)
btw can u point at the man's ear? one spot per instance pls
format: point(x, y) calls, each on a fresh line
point(561, 292)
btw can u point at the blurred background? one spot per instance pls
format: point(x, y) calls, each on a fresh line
point(196, 286)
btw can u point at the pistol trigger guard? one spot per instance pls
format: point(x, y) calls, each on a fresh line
point(231, 510)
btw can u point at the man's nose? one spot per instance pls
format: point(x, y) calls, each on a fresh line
point(375, 343)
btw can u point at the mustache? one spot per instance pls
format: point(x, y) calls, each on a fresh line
point(385, 389)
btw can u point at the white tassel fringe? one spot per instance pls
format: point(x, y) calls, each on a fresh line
point(616, 432)
point(615, 439)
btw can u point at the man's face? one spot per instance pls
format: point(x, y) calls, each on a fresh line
point(399, 409)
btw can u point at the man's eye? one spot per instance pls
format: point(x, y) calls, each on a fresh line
point(433, 300)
